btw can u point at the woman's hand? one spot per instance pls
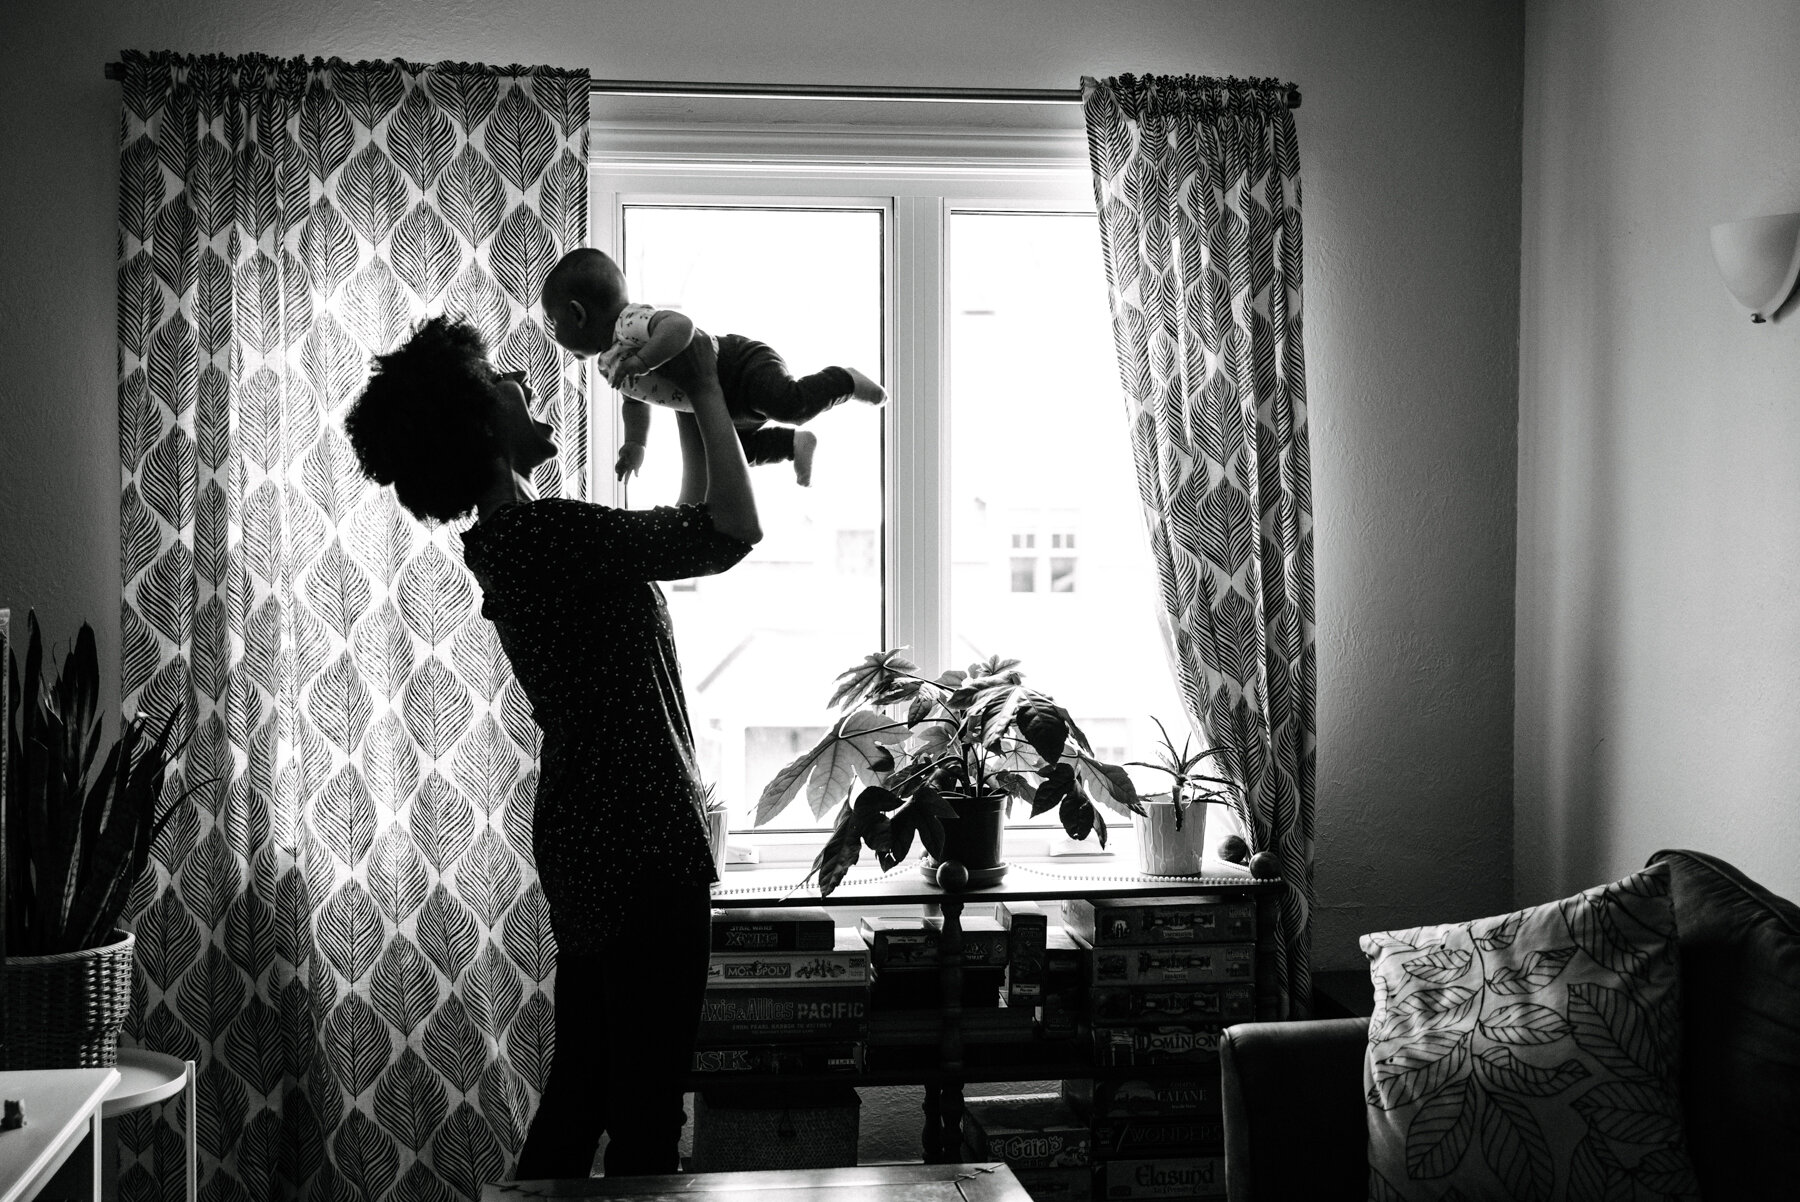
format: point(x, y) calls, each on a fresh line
point(695, 371)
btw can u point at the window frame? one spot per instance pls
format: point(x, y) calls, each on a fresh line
point(918, 178)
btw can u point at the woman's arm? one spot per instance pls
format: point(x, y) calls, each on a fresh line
point(721, 460)
point(693, 460)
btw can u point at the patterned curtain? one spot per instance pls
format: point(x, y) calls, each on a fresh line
point(1197, 182)
point(346, 933)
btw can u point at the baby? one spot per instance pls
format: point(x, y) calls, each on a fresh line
point(589, 314)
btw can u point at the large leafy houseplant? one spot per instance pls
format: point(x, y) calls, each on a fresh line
point(76, 840)
point(962, 736)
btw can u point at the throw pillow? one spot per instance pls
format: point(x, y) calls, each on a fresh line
point(1531, 1055)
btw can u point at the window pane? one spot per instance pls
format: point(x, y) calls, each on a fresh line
point(1039, 445)
point(761, 644)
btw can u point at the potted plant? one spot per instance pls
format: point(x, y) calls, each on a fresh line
point(1169, 837)
point(76, 843)
point(968, 745)
point(718, 818)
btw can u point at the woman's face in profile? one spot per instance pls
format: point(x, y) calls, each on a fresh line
point(525, 441)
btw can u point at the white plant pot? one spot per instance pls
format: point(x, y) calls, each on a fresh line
point(1163, 850)
point(716, 822)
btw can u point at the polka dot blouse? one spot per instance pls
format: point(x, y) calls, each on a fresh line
point(569, 585)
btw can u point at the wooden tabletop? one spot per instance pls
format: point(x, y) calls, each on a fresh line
point(863, 1183)
point(779, 885)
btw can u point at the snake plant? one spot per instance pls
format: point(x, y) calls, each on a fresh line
point(76, 839)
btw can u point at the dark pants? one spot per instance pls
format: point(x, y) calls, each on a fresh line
point(626, 1021)
point(758, 389)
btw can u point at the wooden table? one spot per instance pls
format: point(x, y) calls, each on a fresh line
point(62, 1106)
point(864, 1183)
point(1024, 881)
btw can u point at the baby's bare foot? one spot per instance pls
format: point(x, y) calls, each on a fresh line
point(805, 443)
point(865, 389)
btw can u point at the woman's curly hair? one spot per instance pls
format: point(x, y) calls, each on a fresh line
point(421, 422)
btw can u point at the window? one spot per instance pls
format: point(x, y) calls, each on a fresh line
point(989, 508)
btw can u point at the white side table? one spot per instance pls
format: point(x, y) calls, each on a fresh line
point(62, 1105)
point(146, 1078)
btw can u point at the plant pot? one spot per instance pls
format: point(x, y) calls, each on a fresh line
point(65, 1010)
point(716, 823)
point(1163, 850)
point(973, 838)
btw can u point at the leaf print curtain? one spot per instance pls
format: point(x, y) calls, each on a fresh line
point(345, 932)
point(1197, 182)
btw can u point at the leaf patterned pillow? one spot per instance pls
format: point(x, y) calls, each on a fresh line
point(1531, 1056)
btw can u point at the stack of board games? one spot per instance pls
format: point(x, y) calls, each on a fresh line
point(786, 991)
point(1040, 1137)
point(1168, 975)
point(906, 993)
point(1152, 1136)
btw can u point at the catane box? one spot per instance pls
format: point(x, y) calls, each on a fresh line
point(1108, 1099)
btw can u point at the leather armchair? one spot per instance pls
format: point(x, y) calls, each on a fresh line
point(1293, 1092)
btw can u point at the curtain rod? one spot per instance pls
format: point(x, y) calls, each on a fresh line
point(807, 91)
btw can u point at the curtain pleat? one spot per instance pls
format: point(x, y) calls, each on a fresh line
point(1197, 183)
point(345, 932)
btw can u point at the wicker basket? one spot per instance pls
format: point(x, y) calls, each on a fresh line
point(785, 1127)
point(65, 1011)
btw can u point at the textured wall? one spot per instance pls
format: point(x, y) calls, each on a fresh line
point(1659, 456)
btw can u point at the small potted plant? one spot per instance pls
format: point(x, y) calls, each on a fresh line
point(76, 843)
point(968, 745)
point(1170, 837)
point(717, 820)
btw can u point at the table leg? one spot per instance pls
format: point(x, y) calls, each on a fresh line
point(950, 1032)
point(932, 1138)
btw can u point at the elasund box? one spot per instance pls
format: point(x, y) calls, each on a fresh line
point(1161, 1177)
point(1134, 921)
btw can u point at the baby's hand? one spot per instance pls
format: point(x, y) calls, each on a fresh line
point(631, 458)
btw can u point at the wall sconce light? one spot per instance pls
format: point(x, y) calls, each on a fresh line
point(1760, 260)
